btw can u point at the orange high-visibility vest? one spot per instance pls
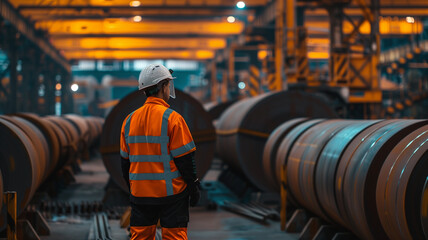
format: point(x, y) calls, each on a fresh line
point(152, 136)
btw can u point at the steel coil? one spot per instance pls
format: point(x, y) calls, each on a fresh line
point(327, 165)
point(244, 128)
point(303, 159)
point(286, 145)
point(45, 127)
point(197, 119)
point(357, 176)
point(32, 148)
point(271, 149)
point(18, 164)
point(401, 188)
point(217, 110)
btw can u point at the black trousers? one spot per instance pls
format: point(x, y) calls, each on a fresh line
point(171, 215)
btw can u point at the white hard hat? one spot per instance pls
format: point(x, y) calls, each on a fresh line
point(153, 74)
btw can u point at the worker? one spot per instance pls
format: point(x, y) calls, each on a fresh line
point(157, 155)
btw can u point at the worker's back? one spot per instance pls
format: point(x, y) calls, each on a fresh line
point(153, 136)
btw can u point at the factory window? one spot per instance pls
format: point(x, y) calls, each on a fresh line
point(182, 65)
point(140, 64)
point(104, 65)
point(84, 65)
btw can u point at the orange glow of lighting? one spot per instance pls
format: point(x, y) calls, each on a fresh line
point(262, 54)
point(231, 19)
point(417, 50)
point(318, 55)
point(409, 55)
point(402, 60)
point(138, 43)
point(135, 3)
point(58, 86)
point(387, 25)
point(137, 19)
point(122, 26)
point(134, 54)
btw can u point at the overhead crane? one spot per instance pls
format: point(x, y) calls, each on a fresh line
point(282, 38)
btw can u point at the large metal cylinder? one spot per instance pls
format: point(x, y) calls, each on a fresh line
point(243, 128)
point(327, 165)
point(357, 175)
point(18, 164)
point(303, 159)
point(31, 149)
point(402, 188)
point(197, 119)
point(271, 149)
point(369, 176)
point(45, 127)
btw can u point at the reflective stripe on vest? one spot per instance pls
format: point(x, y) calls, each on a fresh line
point(165, 158)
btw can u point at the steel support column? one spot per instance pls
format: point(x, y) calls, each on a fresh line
point(214, 82)
point(279, 45)
point(231, 68)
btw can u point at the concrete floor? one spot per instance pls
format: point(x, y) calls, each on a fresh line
point(204, 224)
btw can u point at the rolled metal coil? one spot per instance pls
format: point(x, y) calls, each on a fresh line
point(303, 159)
point(41, 164)
point(285, 147)
point(82, 127)
point(33, 148)
point(197, 119)
point(402, 188)
point(18, 165)
point(327, 165)
point(357, 175)
point(69, 147)
point(271, 149)
point(51, 137)
point(217, 110)
point(369, 176)
point(244, 128)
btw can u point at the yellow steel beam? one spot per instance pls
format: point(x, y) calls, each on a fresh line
point(38, 14)
point(142, 3)
point(124, 26)
point(387, 26)
point(384, 11)
point(138, 43)
point(132, 54)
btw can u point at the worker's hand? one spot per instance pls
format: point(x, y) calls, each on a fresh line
point(195, 193)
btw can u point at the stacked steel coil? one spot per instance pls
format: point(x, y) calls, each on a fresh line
point(33, 148)
point(244, 128)
point(369, 176)
point(196, 117)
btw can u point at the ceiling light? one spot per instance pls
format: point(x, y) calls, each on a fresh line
point(240, 4)
point(231, 19)
point(241, 85)
point(74, 87)
point(410, 19)
point(134, 3)
point(137, 19)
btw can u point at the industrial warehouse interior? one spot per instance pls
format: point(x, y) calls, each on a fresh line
point(309, 119)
